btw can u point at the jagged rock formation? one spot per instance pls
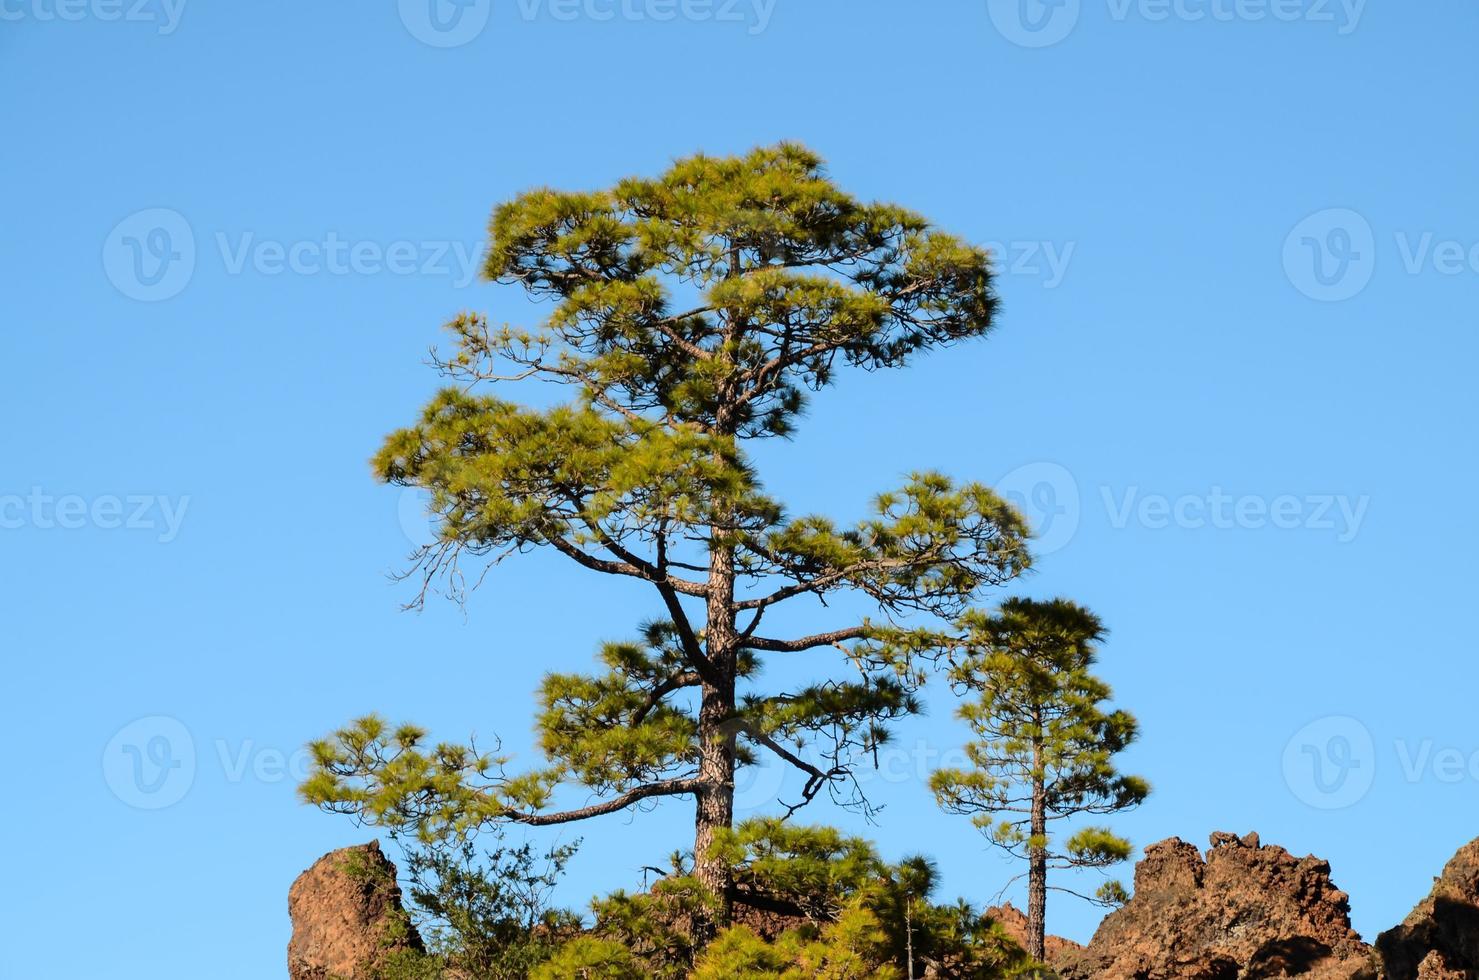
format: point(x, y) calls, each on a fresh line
point(347, 916)
point(1243, 912)
point(1014, 921)
point(1440, 939)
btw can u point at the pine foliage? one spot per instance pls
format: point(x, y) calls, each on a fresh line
point(688, 315)
point(1045, 740)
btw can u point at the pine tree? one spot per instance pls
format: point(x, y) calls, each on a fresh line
point(1044, 743)
point(693, 315)
point(915, 877)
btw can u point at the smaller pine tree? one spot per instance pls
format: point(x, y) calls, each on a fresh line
point(1044, 743)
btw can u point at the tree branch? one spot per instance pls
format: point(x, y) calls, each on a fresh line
point(687, 678)
point(638, 569)
point(670, 787)
point(805, 642)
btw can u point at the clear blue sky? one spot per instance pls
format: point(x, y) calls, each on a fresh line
point(1253, 466)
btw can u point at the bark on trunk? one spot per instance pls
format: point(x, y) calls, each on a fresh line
point(1037, 871)
point(715, 804)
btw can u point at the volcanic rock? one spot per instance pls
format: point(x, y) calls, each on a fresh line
point(1244, 912)
point(1014, 922)
point(1440, 939)
point(347, 916)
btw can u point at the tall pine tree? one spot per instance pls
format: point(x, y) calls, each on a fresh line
point(1045, 743)
point(692, 314)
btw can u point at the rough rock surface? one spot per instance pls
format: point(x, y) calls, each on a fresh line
point(347, 916)
point(767, 917)
point(1014, 921)
point(1243, 912)
point(1440, 939)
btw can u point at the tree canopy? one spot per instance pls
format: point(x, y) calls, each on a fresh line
point(1044, 742)
point(687, 315)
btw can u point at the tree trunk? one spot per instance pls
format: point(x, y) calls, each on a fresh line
point(1037, 867)
point(716, 734)
point(909, 934)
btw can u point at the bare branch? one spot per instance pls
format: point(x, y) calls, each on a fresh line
point(806, 642)
point(670, 787)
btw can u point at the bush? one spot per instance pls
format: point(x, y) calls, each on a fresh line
point(483, 916)
point(833, 909)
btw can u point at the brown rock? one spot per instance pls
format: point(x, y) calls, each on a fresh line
point(1244, 912)
point(347, 916)
point(1435, 967)
point(765, 915)
point(1014, 921)
point(1440, 939)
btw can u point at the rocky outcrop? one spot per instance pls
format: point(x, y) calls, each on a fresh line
point(1242, 912)
point(1440, 939)
point(1013, 922)
point(347, 916)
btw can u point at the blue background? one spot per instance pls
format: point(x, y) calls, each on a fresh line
point(1178, 353)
